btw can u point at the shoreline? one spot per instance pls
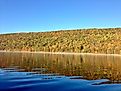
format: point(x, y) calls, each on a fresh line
point(65, 53)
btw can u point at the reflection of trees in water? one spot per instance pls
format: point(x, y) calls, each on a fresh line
point(90, 67)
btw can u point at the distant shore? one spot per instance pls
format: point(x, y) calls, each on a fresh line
point(65, 53)
point(81, 41)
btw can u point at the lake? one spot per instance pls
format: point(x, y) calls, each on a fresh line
point(59, 72)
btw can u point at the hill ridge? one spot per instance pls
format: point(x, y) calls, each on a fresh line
point(106, 40)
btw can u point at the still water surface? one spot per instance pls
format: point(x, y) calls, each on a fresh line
point(59, 72)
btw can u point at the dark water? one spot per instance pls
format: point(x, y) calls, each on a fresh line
point(47, 72)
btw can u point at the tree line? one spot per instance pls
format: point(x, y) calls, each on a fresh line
point(80, 41)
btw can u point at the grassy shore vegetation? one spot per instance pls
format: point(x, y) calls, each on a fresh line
point(80, 41)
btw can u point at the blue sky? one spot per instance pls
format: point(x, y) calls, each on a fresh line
point(47, 15)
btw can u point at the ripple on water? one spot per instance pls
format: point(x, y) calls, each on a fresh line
point(28, 81)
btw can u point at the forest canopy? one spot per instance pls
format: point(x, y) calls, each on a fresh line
point(80, 41)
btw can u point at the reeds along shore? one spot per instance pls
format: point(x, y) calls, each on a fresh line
point(106, 41)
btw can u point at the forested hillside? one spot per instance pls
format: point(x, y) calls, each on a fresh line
point(81, 40)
